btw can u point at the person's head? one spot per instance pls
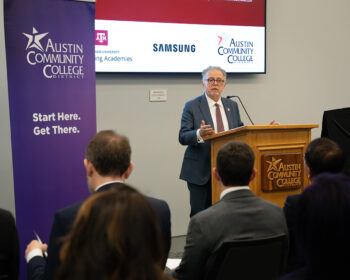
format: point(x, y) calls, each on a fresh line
point(214, 81)
point(235, 164)
point(324, 155)
point(108, 155)
point(324, 223)
point(115, 236)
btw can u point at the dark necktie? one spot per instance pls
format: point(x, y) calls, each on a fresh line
point(219, 123)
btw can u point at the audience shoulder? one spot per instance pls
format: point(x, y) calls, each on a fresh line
point(67, 214)
point(208, 214)
point(274, 208)
point(70, 208)
point(157, 200)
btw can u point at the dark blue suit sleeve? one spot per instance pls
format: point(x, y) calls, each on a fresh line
point(57, 232)
point(188, 129)
point(36, 268)
point(290, 209)
point(62, 224)
point(39, 268)
point(162, 211)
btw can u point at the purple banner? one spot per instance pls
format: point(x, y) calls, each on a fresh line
point(51, 80)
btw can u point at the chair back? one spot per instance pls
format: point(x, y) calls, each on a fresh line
point(262, 259)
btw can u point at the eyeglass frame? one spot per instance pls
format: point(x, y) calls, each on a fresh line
point(219, 81)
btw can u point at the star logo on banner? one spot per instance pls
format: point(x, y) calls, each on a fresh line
point(34, 40)
point(273, 164)
point(222, 39)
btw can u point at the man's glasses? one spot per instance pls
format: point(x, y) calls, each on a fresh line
point(218, 81)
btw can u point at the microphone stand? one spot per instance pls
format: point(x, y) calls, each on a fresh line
point(240, 101)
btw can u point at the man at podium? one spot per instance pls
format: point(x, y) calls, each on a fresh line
point(205, 115)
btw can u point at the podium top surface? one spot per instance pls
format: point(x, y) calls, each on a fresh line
point(262, 127)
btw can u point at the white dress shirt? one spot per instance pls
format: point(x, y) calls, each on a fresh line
point(232, 189)
point(212, 109)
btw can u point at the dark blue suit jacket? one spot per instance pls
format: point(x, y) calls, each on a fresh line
point(291, 209)
point(38, 268)
point(196, 163)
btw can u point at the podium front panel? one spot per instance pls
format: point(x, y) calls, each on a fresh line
point(279, 159)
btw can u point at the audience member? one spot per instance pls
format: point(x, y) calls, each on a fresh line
point(323, 229)
point(115, 236)
point(9, 255)
point(322, 155)
point(108, 164)
point(238, 215)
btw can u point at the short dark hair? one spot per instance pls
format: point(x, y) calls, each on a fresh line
point(235, 163)
point(324, 155)
point(109, 152)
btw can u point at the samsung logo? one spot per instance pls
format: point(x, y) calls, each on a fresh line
point(174, 48)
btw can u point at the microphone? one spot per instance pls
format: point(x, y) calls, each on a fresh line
point(240, 101)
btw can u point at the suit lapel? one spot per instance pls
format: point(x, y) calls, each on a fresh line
point(204, 107)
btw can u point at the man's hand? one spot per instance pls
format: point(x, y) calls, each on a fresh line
point(205, 129)
point(35, 244)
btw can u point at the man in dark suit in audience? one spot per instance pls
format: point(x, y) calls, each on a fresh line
point(238, 215)
point(323, 229)
point(108, 164)
point(9, 257)
point(322, 155)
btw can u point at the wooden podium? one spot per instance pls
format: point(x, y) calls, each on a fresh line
point(279, 158)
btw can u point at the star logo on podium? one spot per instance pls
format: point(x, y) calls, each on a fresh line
point(273, 164)
point(34, 39)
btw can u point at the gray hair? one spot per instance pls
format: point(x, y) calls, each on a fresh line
point(206, 70)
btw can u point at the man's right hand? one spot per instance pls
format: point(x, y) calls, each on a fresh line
point(35, 244)
point(205, 129)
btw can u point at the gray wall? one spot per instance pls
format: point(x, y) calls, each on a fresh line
point(6, 181)
point(307, 73)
